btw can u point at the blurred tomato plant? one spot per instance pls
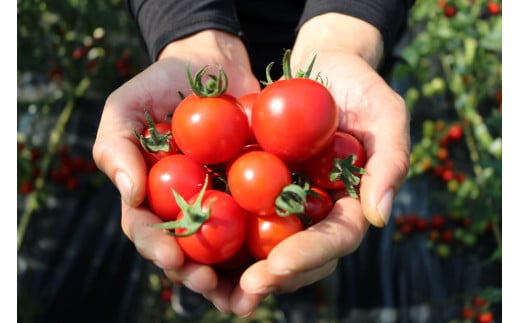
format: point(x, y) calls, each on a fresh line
point(71, 55)
point(451, 61)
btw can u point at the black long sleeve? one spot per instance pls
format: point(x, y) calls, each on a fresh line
point(267, 26)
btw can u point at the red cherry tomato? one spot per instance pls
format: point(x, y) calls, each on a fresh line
point(177, 172)
point(210, 130)
point(255, 180)
point(222, 232)
point(265, 232)
point(317, 205)
point(294, 118)
point(156, 141)
point(319, 167)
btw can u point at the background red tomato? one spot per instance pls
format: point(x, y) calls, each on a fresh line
point(177, 172)
point(294, 118)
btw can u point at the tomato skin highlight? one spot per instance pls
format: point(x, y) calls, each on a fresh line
point(177, 172)
point(221, 235)
point(210, 130)
point(255, 180)
point(266, 232)
point(319, 167)
point(294, 118)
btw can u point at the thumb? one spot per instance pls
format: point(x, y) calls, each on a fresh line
point(385, 172)
point(117, 154)
point(388, 151)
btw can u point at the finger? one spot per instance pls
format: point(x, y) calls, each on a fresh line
point(220, 296)
point(258, 279)
point(242, 303)
point(116, 149)
point(199, 278)
point(339, 234)
point(388, 147)
point(152, 243)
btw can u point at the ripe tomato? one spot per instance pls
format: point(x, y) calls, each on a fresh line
point(219, 227)
point(485, 317)
point(245, 149)
point(450, 11)
point(247, 101)
point(156, 141)
point(455, 132)
point(468, 313)
point(209, 125)
point(294, 118)
point(317, 205)
point(177, 172)
point(320, 167)
point(210, 130)
point(493, 8)
point(255, 180)
point(265, 232)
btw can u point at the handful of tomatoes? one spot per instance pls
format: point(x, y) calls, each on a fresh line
point(233, 176)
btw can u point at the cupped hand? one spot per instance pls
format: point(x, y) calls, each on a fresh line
point(373, 112)
point(378, 117)
point(116, 151)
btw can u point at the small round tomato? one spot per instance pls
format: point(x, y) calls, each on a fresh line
point(265, 232)
point(485, 317)
point(245, 149)
point(177, 172)
point(219, 231)
point(320, 167)
point(294, 118)
point(247, 102)
point(209, 125)
point(156, 141)
point(317, 205)
point(256, 179)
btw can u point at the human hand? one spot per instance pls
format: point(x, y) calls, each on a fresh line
point(373, 112)
point(116, 150)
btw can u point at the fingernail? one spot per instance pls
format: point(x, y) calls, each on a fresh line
point(124, 185)
point(385, 205)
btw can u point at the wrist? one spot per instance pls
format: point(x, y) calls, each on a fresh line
point(219, 47)
point(340, 33)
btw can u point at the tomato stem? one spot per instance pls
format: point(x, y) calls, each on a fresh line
point(156, 141)
point(349, 174)
point(291, 201)
point(215, 85)
point(287, 73)
point(194, 217)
